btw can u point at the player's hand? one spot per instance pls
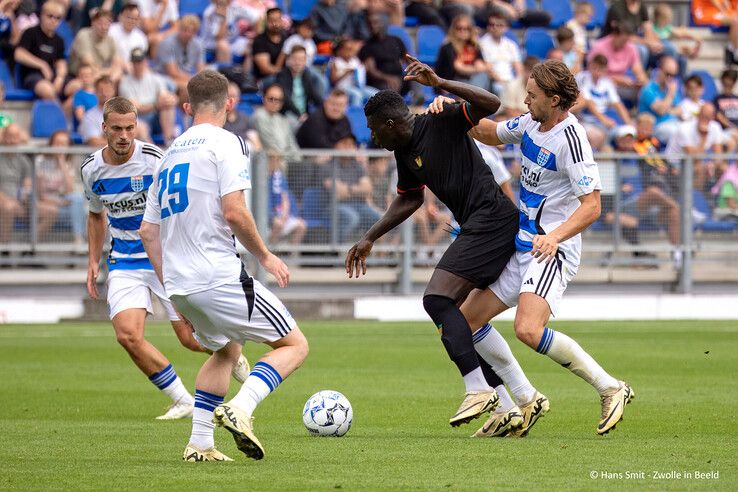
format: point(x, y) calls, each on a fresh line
point(544, 247)
point(356, 258)
point(276, 267)
point(436, 106)
point(421, 73)
point(92, 272)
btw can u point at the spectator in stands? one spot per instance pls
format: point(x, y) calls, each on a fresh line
point(5, 119)
point(633, 16)
point(598, 95)
point(160, 19)
point(660, 97)
point(40, 54)
point(267, 47)
point(273, 127)
point(55, 178)
point(583, 12)
point(147, 91)
point(284, 221)
point(85, 98)
point(25, 14)
point(353, 191)
point(237, 121)
point(181, 55)
point(329, 18)
point(383, 185)
point(327, 124)
point(726, 104)
point(10, 32)
point(127, 33)
point(83, 10)
point(300, 91)
point(393, 9)
point(700, 136)
point(460, 58)
point(692, 102)
point(514, 94)
point(346, 72)
point(357, 27)
point(572, 56)
point(303, 36)
point(426, 13)
point(90, 128)
point(94, 46)
point(15, 188)
point(622, 57)
point(221, 33)
point(501, 53)
point(726, 191)
point(666, 31)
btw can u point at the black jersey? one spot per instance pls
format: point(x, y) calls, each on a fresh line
point(443, 157)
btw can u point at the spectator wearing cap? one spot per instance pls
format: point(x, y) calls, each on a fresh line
point(622, 57)
point(160, 20)
point(220, 30)
point(95, 47)
point(147, 91)
point(127, 33)
point(267, 47)
point(181, 55)
point(299, 90)
point(327, 124)
point(661, 98)
point(40, 55)
point(90, 128)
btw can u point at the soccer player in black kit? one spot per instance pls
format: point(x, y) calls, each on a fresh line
point(434, 150)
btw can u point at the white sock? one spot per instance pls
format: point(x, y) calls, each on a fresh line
point(171, 385)
point(572, 356)
point(506, 402)
point(263, 380)
point(493, 348)
point(474, 381)
point(202, 419)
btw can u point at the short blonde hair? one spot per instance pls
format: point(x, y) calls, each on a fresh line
point(191, 21)
point(118, 105)
point(646, 118)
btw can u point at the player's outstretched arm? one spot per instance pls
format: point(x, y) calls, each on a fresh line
point(95, 239)
point(402, 207)
point(485, 131)
point(243, 226)
point(482, 103)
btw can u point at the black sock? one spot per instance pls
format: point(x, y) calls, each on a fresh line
point(455, 332)
point(493, 380)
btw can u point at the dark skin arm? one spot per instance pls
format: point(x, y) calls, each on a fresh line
point(481, 103)
point(402, 207)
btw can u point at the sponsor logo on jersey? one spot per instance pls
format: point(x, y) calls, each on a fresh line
point(137, 183)
point(244, 175)
point(513, 123)
point(585, 181)
point(543, 157)
point(419, 161)
point(529, 177)
point(99, 188)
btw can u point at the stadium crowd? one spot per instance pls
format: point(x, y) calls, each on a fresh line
point(301, 82)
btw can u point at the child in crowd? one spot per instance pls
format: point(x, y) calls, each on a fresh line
point(666, 31)
point(85, 98)
point(693, 101)
point(347, 73)
point(583, 12)
point(572, 56)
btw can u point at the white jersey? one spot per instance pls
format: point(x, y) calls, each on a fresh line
point(557, 167)
point(201, 166)
point(494, 160)
point(121, 189)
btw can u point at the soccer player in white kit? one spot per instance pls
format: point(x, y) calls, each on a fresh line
point(116, 178)
point(559, 198)
point(195, 208)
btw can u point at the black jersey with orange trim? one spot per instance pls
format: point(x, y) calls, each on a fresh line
point(443, 157)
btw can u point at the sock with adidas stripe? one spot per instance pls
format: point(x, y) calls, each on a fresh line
point(263, 380)
point(171, 385)
point(202, 419)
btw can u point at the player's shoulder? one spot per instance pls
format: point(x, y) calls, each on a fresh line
point(149, 150)
point(229, 141)
point(573, 137)
point(90, 163)
point(520, 123)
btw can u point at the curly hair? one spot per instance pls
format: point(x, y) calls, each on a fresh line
point(555, 79)
point(386, 105)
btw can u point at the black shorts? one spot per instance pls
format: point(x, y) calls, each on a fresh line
point(480, 256)
point(30, 80)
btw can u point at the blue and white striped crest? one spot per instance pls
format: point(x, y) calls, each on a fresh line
point(137, 183)
point(543, 156)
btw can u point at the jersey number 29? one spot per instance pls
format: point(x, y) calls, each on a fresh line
point(174, 182)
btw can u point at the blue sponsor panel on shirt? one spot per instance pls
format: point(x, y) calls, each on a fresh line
point(535, 153)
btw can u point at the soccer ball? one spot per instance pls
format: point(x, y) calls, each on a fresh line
point(327, 413)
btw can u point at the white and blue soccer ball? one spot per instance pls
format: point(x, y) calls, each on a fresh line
point(328, 414)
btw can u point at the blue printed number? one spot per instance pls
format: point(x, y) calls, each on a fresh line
point(174, 183)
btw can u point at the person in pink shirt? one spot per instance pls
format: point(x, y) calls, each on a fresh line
point(622, 57)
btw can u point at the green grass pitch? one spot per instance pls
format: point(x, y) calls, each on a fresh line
point(75, 414)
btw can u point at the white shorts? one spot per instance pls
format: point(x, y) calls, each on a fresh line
point(236, 311)
point(132, 289)
point(523, 273)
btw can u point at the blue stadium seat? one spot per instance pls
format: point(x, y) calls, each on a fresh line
point(430, 39)
point(357, 118)
point(538, 42)
point(11, 93)
point(401, 33)
point(246, 108)
point(321, 60)
point(411, 21)
point(196, 7)
point(600, 14)
point(710, 89)
point(511, 35)
point(46, 118)
point(560, 11)
point(300, 9)
point(699, 202)
point(315, 208)
point(252, 98)
point(65, 31)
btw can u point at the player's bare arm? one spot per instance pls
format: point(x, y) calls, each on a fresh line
point(402, 207)
point(485, 131)
point(243, 226)
point(95, 239)
point(546, 245)
point(152, 244)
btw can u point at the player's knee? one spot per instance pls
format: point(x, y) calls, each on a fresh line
point(435, 306)
point(129, 339)
point(528, 333)
point(301, 348)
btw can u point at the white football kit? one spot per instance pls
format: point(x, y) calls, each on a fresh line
point(121, 190)
point(203, 274)
point(557, 167)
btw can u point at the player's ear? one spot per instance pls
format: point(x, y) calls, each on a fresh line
point(188, 108)
point(555, 100)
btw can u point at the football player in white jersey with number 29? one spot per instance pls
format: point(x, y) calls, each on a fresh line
point(195, 207)
point(116, 178)
point(559, 198)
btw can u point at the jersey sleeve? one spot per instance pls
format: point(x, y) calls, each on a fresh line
point(94, 203)
point(511, 131)
point(232, 161)
point(152, 214)
point(578, 162)
point(456, 118)
point(406, 180)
